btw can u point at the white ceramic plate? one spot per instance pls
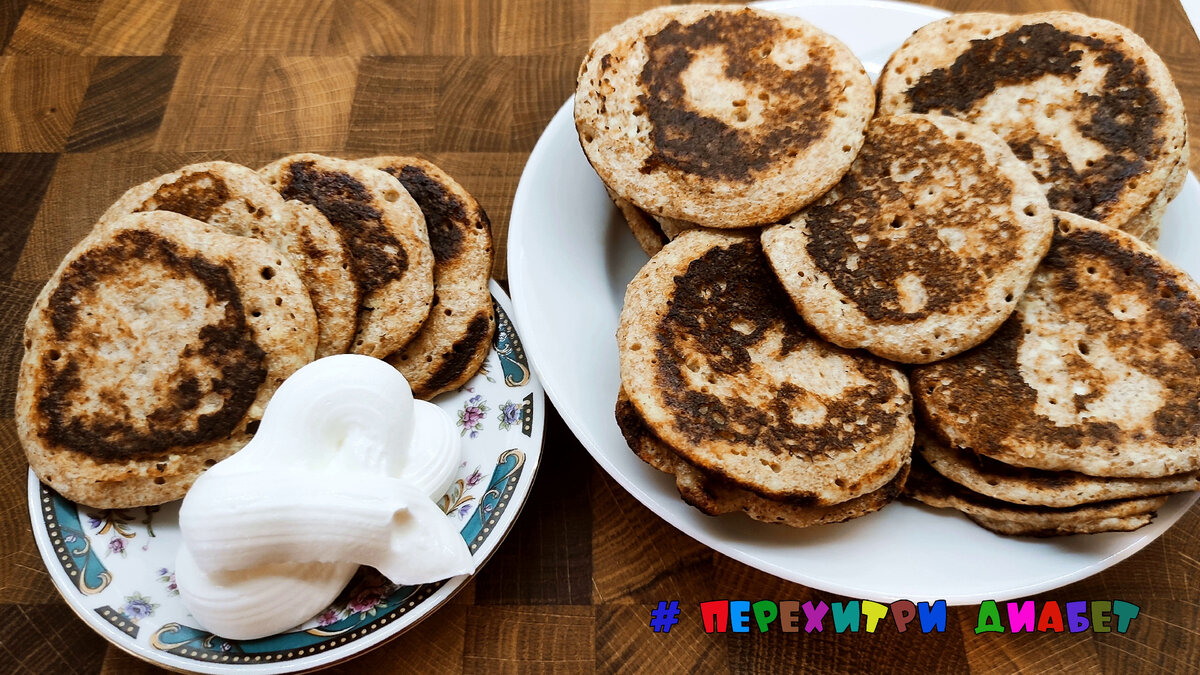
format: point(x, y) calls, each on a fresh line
point(570, 257)
point(115, 567)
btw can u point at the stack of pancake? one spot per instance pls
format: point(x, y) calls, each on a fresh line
point(977, 236)
point(152, 351)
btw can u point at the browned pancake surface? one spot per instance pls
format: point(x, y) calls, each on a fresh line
point(1121, 515)
point(1083, 101)
point(714, 496)
point(456, 337)
point(727, 117)
point(1097, 371)
point(723, 370)
point(922, 248)
point(151, 354)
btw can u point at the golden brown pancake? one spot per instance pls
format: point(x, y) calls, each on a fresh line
point(151, 355)
point(1097, 371)
point(1058, 489)
point(236, 200)
point(922, 248)
point(720, 116)
point(724, 372)
point(1123, 515)
point(715, 496)
point(455, 338)
point(383, 231)
point(1084, 102)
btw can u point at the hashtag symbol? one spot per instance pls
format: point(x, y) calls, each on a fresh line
point(664, 617)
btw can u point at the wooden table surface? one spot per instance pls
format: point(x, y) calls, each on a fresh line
point(98, 95)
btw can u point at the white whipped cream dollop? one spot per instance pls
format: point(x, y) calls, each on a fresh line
point(343, 471)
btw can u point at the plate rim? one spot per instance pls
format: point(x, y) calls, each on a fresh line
point(518, 283)
point(440, 596)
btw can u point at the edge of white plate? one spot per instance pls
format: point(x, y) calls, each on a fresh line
point(524, 201)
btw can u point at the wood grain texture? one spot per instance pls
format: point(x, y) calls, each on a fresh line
point(53, 27)
point(124, 104)
point(124, 28)
point(99, 95)
point(39, 96)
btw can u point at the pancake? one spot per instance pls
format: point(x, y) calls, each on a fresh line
point(714, 496)
point(922, 248)
point(456, 337)
point(151, 355)
point(381, 226)
point(1147, 224)
point(720, 116)
point(1040, 488)
point(725, 373)
point(238, 201)
point(1085, 102)
point(673, 227)
point(928, 487)
point(1097, 371)
point(645, 228)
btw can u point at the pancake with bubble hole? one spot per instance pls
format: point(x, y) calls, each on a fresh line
point(721, 368)
point(1084, 102)
point(922, 248)
point(715, 496)
point(384, 232)
point(236, 200)
point(151, 354)
point(720, 116)
point(1097, 371)
point(455, 339)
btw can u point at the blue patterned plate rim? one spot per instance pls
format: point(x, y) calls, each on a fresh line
point(503, 448)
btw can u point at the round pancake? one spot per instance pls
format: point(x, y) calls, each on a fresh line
point(714, 496)
point(645, 228)
point(383, 230)
point(720, 116)
point(928, 487)
point(455, 338)
point(726, 374)
point(151, 355)
point(1085, 102)
point(1057, 489)
point(1097, 371)
point(922, 249)
point(236, 200)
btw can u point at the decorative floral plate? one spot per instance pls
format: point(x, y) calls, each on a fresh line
point(115, 567)
point(586, 267)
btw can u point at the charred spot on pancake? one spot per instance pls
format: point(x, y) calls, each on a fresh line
point(1001, 405)
point(376, 256)
point(687, 140)
point(445, 214)
point(867, 263)
point(1124, 117)
point(196, 195)
point(727, 302)
point(226, 346)
point(462, 353)
point(630, 422)
point(309, 247)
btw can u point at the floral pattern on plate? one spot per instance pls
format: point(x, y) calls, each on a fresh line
point(116, 567)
